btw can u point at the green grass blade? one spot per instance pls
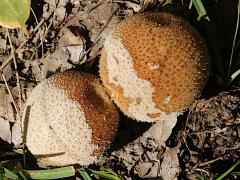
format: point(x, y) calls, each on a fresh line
point(201, 176)
point(51, 173)
point(202, 13)
point(112, 172)
point(22, 175)
point(10, 174)
point(213, 41)
point(182, 1)
point(235, 74)
point(228, 171)
point(85, 175)
point(234, 43)
point(19, 151)
point(106, 174)
point(167, 2)
point(1, 176)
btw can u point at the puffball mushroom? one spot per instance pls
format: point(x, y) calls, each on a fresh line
point(69, 119)
point(154, 65)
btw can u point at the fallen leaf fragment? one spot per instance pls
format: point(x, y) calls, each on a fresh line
point(72, 44)
point(14, 13)
point(170, 164)
point(16, 134)
point(143, 155)
point(52, 63)
point(5, 133)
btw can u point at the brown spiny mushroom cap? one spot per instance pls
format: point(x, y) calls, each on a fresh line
point(154, 65)
point(69, 119)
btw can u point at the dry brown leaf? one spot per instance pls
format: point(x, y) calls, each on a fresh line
point(72, 44)
point(67, 38)
point(52, 63)
point(142, 155)
point(148, 169)
point(2, 101)
point(10, 114)
point(3, 43)
point(6, 114)
point(5, 132)
point(16, 134)
point(170, 164)
point(7, 71)
point(6, 109)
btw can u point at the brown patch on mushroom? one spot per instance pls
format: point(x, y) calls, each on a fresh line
point(162, 38)
point(138, 100)
point(170, 42)
point(153, 115)
point(101, 114)
point(113, 90)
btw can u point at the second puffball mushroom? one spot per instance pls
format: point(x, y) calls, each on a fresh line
point(154, 65)
point(69, 119)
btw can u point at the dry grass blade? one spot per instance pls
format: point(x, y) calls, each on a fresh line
point(40, 32)
point(17, 75)
point(207, 163)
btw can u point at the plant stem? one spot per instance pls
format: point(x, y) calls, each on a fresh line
point(200, 9)
point(228, 171)
point(233, 44)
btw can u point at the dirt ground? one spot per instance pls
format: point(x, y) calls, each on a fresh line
point(66, 34)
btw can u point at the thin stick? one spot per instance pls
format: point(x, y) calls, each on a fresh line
point(19, 94)
point(11, 96)
point(190, 4)
point(40, 32)
point(96, 6)
point(210, 132)
point(207, 163)
point(46, 30)
point(9, 59)
point(17, 74)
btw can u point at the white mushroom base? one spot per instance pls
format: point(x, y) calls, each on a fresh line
point(55, 128)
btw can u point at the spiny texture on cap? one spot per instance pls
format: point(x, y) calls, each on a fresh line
point(69, 119)
point(154, 65)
